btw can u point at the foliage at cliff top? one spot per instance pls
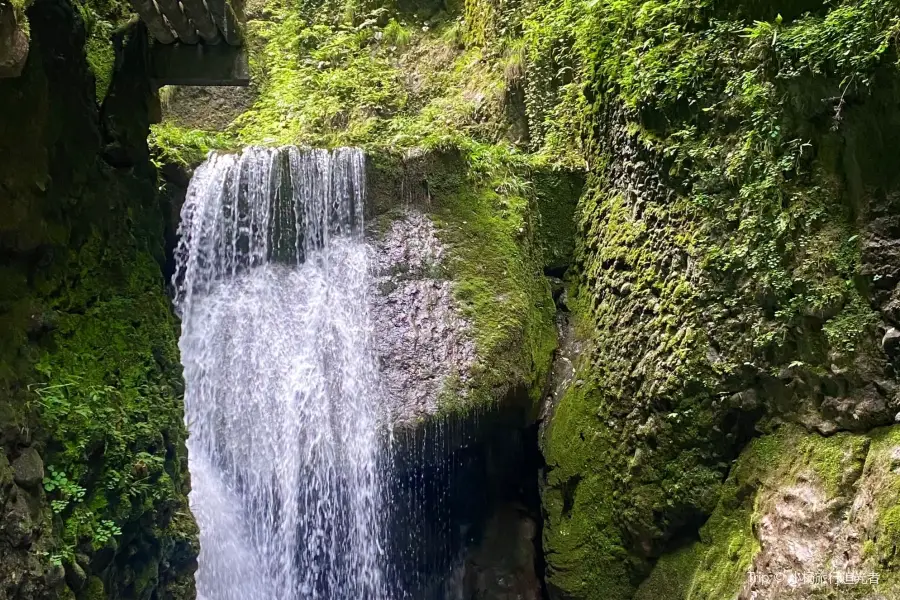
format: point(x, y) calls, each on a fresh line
point(396, 83)
point(379, 77)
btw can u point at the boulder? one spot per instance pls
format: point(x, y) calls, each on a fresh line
point(28, 469)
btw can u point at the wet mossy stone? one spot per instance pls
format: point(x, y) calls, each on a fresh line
point(93, 590)
point(28, 469)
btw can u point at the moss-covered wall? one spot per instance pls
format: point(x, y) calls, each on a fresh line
point(93, 473)
point(733, 249)
point(795, 503)
point(733, 270)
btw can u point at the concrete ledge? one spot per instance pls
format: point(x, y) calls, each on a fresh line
point(199, 64)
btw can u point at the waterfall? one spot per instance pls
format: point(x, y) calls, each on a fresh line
point(282, 398)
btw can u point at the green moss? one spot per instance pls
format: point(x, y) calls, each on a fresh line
point(101, 18)
point(883, 545)
point(101, 58)
point(19, 7)
point(717, 238)
point(110, 392)
point(93, 590)
point(832, 458)
point(556, 194)
point(91, 379)
point(673, 575)
point(718, 234)
point(845, 465)
point(66, 593)
point(187, 147)
point(586, 555)
point(715, 566)
point(487, 222)
point(363, 79)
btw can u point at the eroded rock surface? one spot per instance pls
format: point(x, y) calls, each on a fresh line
point(801, 517)
point(423, 342)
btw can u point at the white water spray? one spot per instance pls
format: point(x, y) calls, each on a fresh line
point(282, 396)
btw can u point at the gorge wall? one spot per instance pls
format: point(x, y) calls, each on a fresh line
point(733, 276)
point(692, 203)
point(93, 473)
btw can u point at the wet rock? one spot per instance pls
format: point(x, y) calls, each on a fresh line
point(891, 342)
point(205, 107)
point(423, 342)
point(55, 577)
point(746, 400)
point(864, 409)
point(557, 287)
point(502, 567)
point(17, 525)
point(75, 576)
point(562, 372)
point(28, 469)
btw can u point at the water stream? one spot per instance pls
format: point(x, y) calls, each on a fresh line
point(282, 397)
point(303, 483)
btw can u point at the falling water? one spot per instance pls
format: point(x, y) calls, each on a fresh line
point(282, 398)
point(300, 486)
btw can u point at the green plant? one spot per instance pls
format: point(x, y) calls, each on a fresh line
point(396, 34)
point(104, 532)
point(170, 143)
point(68, 491)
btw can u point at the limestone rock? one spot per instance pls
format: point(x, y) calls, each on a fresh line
point(891, 341)
point(799, 512)
point(17, 523)
point(423, 341)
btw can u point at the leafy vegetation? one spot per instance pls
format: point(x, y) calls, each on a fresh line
point(91, 385)
point(185, 147)
point(719, 256)
point(107, 402)
point(331, 77)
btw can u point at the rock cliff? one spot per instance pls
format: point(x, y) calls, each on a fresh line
point(93, 471)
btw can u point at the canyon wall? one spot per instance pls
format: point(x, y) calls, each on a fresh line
point(93, 473)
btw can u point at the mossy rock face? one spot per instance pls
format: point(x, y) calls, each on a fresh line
point(460, 263)
point(795, 505)
point(732, 269)
point(90, 384)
